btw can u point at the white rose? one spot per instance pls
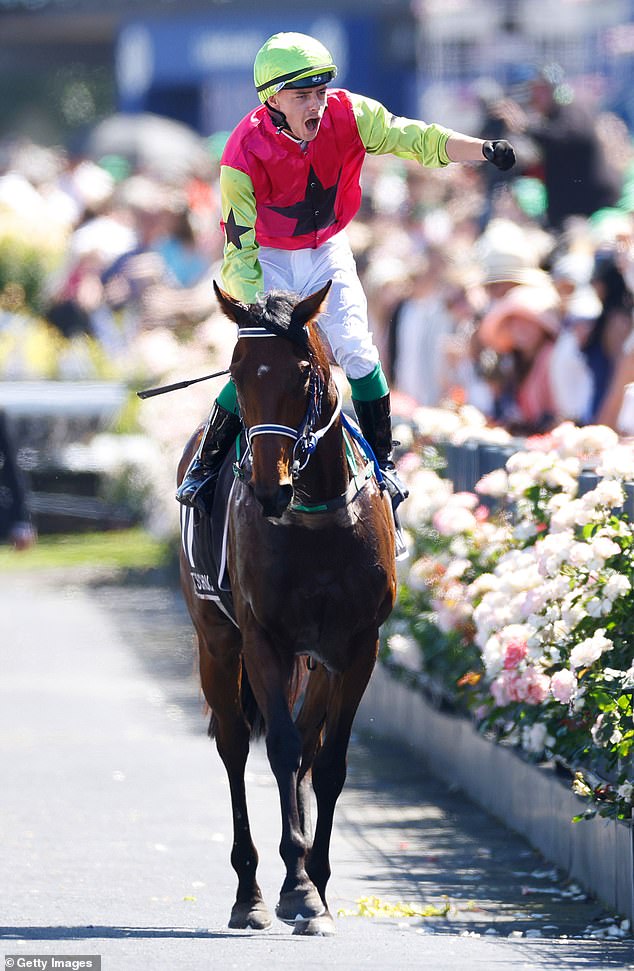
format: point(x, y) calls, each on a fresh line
point(572, 614)
point(580, 555)
point(565, 517)
point(590, 650)
point(616, 463)
point(519, 483)
point(406, 651)
point(494, 484)
point(617, 586)
point(485, 583)
point(594, 607)
point(493, 656)
point(534, 738)
point(604, 548)
point(608, 492)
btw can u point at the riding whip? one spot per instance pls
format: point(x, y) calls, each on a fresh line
point(151, 392)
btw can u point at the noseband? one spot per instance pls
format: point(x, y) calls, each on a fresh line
point(305, 437)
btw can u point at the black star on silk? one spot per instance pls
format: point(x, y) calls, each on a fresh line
point(316, 210)
point(233, 231)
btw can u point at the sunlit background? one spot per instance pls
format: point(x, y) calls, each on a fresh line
point(65, 65)
point(82, 84)
point(113, 117)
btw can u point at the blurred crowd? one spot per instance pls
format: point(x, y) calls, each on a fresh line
point(512, 292)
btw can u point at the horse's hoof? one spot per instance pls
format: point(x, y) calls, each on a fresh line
point(255, 916)
point(299, 905)
point(322, 926)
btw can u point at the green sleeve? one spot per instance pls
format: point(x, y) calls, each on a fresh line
point(241, 272)
point(383, 133)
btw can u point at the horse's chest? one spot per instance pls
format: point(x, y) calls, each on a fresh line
point(312, 589)
point(311, 596)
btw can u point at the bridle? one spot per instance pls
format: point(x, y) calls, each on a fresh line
point(306, 438)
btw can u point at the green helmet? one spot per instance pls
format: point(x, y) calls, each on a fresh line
point(290, 60)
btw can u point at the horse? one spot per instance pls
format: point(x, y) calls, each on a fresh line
point(310, 556)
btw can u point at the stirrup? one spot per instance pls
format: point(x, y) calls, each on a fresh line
point(198, 493)
point(396, 488)
point(400, 546)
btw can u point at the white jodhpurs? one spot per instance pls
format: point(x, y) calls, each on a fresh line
point(345, 318)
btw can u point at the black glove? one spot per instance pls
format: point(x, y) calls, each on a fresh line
point(501, 153)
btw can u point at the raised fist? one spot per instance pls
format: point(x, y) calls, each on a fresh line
point(501, 153)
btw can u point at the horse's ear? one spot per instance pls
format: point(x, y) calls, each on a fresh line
point(308, 308)
point(234, 309)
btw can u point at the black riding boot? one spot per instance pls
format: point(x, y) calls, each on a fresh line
point(376, 427)
point(198, 485)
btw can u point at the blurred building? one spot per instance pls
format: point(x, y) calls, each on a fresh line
point(591, 41)
point(66, 63)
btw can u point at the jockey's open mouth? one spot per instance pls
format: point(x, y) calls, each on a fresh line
point(312, 124)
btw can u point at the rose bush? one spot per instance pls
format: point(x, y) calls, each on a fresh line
point(523, 616)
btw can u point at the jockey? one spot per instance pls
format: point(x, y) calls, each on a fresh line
point(289, 183)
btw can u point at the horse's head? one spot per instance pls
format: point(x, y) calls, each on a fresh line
point(275, 379)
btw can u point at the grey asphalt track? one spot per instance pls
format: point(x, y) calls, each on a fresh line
point(115, 824)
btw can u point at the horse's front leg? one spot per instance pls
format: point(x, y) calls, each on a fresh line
point(220, 678)
point(270, 676)
point(329, 768)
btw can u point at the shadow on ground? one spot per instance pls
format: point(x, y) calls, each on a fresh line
point(417, 841)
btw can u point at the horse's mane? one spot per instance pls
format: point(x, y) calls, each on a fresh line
point(274, 312)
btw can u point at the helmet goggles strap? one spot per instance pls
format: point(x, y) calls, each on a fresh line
point(283, 79)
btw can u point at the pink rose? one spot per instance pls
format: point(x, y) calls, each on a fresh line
point(452, 520)
point(515, 685)
point(515, 652)
point(531, 687)
point(563, 686)
point(537, 686)
point(408, 463)
point(499, 690)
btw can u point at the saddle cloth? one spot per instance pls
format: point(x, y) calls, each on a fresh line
point(204, 539)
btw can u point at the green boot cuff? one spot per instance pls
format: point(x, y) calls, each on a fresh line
point(374, 385)
point(228, 398)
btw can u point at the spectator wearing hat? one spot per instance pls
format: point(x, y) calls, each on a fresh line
point(546, 379)
point(510, 255)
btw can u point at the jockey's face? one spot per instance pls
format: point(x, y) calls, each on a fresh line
point(303, 107)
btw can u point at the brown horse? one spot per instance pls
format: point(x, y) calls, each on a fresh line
point(312, 569)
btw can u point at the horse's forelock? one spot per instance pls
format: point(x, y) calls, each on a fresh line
point(274, 311)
